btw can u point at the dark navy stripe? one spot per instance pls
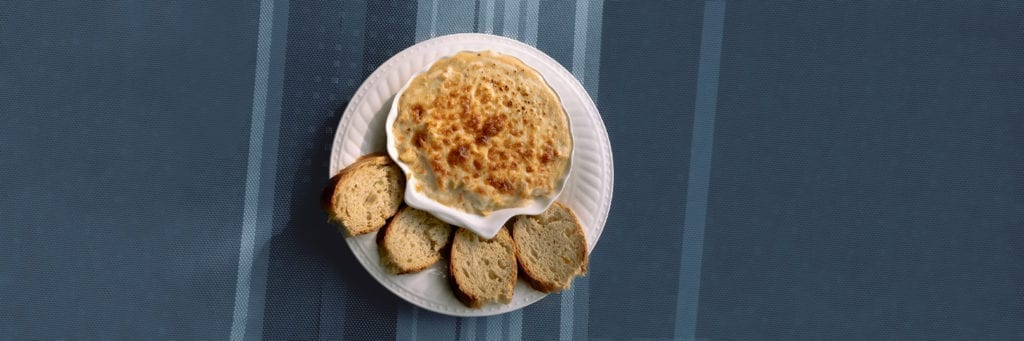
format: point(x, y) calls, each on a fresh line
point(332, 47)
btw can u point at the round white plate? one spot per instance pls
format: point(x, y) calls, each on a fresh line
point(361, 131)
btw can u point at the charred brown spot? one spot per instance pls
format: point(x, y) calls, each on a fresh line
point(417, 110)
point(496, 155)
point(502, 185)
point(439, 170)
point(547, 154)
point(458, 155)
point(419, 138)
point(490, 128)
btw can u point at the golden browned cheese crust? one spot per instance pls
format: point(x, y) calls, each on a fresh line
point(482, 131)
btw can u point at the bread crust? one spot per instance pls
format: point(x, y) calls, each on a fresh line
point(531, 275)
point(455, 279)
point(387, 256)
point(329, 197)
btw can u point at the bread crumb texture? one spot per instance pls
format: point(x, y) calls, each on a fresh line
point(483, 271)
point(551, 248)
point(412, 241)
point(366, 194)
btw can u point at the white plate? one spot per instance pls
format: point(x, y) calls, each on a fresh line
point(361, 131)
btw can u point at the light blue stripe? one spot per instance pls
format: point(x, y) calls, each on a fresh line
point(435, 326)
point(565, 315)
point(592, 43)
point(530, 24)
point(511, 26)
point(595, 19)
point(424, 22)
point(252, 177)
point(575, 303)
point(581, 316)
point(467, 329)
point(494, 327)
point(408, 318)
point(271, 124)
point(455, 17)
point(415, 321)
point(515, 325)
point(579, 47)
point(700, 170)
point(433, 18)
point(486, 17)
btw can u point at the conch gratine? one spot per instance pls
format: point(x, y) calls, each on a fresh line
point(482, 131)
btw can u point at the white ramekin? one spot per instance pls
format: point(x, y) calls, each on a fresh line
point(488, 225)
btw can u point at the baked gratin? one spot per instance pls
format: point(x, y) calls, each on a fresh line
point(483, 131)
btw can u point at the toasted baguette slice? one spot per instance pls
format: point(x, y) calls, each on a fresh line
point(412, 241)
point(482, 271)
point(551, 248)
point(364, 195)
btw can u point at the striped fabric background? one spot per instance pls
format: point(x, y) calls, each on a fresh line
point(785, 170)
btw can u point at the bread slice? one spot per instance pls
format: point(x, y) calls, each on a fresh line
point(482, 271)
point(551, 248)
point(412, 241)
point(364, 195)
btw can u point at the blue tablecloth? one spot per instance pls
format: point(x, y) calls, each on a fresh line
point(784, 170)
